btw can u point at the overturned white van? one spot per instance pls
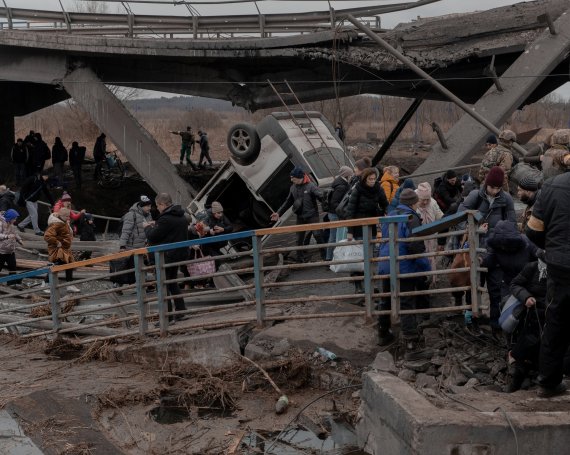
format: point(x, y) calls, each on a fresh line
point(255, 181)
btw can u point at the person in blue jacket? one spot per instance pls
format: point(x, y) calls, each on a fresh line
point(409, 331)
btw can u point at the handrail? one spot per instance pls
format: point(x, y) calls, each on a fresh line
point(245, 291)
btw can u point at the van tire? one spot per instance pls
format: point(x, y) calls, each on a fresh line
point(244, 144)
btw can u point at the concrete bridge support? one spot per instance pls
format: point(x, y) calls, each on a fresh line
point(130, 137)
point(518, 82)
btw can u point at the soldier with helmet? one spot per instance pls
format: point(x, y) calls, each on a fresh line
point(501, 156)
point(552, 160)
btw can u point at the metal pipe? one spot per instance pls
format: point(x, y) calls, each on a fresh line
point(444, 91)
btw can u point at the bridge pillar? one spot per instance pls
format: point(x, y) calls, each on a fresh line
point(519, 81)
point(6, 142)
point(128, 135)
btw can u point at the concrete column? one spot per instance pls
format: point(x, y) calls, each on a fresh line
point(6, 142)
point(130, 137)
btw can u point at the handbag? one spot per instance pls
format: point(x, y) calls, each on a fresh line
point(118, 265)
point(348, 251)
point(510, 314)
point(203, 267)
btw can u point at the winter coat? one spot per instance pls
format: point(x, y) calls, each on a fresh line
point(553, 209)
point(58, 231)
point(87, 231)
point(501, 156)
point(531, 321)
point(76, 156)
point(509, 249)
point(390, 185)
point(8, 245)
point(365, 202)
point(395, 202)
point(40, 153)
point(32, 187)
point(58, 154)
point(224, 222)
point(339, 188)
point(447, 194)
point(404, 248)
point(428, 215)
point(7, 201)
point(171, 226)
point(133, 234)
point(99, 149)
point(19, 154)
point(73, 214)
point(303, 198)
point(501, 208)
point(204, 144)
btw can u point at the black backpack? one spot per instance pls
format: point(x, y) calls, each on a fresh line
point(342, 207)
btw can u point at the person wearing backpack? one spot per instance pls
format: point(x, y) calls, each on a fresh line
point(303, 196)
point(132, 231)
point(339, 188)
point(366, 200)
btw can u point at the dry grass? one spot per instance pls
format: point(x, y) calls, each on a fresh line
point(45, 310)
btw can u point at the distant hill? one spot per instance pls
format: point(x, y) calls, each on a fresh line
point(183, 103)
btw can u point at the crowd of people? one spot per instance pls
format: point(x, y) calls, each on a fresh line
point(526, 256)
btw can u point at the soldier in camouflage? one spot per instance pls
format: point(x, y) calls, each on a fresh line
point(501, 156)
point(552, 160)
point(187, 146)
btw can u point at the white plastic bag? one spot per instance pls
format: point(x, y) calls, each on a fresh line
point(348, 251)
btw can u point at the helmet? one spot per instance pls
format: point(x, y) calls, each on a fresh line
point(508, 135)
point(560, 137)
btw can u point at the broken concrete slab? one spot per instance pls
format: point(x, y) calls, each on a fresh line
point(212, 349)
point(384, 362)
point(14, 441)
point(396, 419)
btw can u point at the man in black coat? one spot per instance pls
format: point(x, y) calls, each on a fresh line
point(19, 157)
point(548, 227)
point(99, 154)
point(171, 226)
point(76, 159)
point(303, 196)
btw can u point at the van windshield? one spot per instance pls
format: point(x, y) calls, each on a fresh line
point(325, 162)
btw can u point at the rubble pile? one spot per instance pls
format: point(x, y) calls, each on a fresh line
point(453, 361)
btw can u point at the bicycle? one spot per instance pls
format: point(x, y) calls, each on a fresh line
point(114, 174)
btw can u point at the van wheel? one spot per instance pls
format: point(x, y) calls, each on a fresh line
point(244, 144)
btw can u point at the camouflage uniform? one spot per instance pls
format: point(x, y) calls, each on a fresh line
point(498, 156)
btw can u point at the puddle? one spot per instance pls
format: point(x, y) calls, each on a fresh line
point(170, 411)
point(297, 441)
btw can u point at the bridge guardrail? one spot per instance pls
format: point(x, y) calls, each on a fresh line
point(248, 288)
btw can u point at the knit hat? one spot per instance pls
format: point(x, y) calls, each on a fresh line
point(66, 196)
point(492, 139)
point(217, 207)
point(88, 216)
point(408, 197)
point(297, 172)
point(10, 215)
point(345, 172)
point(408, 183)
point(529, 183)
point(423, 191)
point(495, 177)
point(450, 174)
point(144, 201)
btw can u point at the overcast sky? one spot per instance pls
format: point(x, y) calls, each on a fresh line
point(280, 6)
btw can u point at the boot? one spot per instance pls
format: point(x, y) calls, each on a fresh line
point(358, 288)
point(385, 337)
point(517, 374)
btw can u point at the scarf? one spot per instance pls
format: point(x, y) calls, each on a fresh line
point(541, 270)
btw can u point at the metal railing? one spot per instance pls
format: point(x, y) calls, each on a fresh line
point(130, 24)
point(134, 305)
